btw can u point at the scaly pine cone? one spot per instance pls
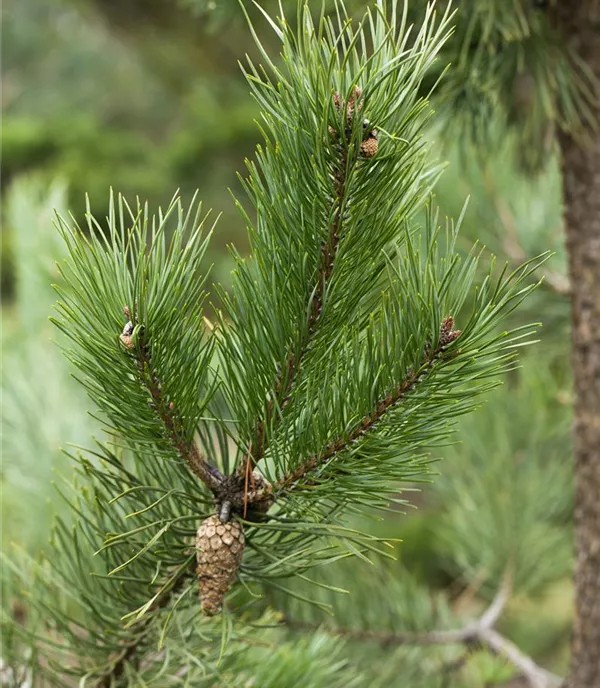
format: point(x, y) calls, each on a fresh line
point(220, 547)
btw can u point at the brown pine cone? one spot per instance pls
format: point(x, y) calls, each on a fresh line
point(220, 547)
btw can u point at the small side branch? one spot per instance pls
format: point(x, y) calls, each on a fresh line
point(537, 676)
point(198, 464)
point(371, 420)
point(130, 652)
point(128, 655)
point(480, 632)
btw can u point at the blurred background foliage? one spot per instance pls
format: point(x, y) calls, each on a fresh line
point(147, 97)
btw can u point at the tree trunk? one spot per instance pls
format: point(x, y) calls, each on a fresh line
point(580, 24)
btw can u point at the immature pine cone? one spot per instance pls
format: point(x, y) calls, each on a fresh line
point(353, 105)
point(220, 547)
point(368, 148)
point(447, 332)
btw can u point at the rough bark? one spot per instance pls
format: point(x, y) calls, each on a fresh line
point(580, 24)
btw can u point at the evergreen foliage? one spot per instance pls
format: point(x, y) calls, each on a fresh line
point(333, 366)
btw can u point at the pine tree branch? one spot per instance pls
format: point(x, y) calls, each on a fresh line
point(289, 371)
point(198, 464)
point(537, 676)
point(127, 656)
point(130, 652)
point(479, 632)
point(371, 420)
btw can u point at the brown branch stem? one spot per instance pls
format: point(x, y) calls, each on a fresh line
point(197, 463)
point(368, 422)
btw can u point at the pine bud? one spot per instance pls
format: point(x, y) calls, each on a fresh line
point(219, 551)
point(126, 336)
point(447, 332)
point(262, 493)
point(369, 147)
point(352, 103)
